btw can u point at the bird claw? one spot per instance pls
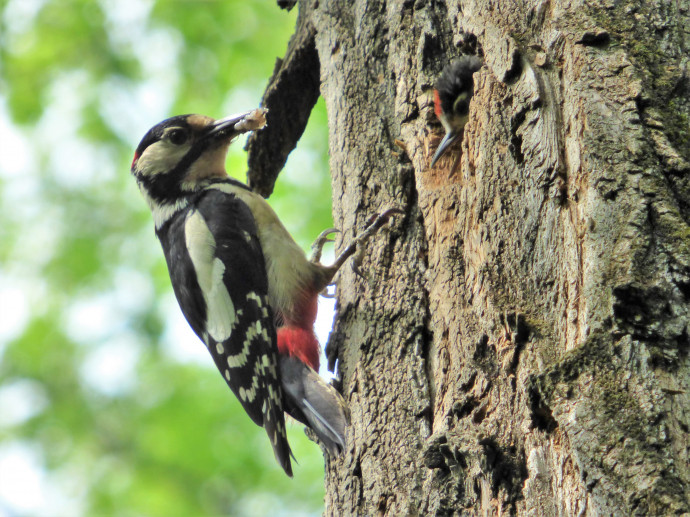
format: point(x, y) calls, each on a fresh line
point(356, 248)
point(321, 240)
point(357, 262)
point(378, 220)
point(326, 294)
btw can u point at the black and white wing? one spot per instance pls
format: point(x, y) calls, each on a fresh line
point(218, 274)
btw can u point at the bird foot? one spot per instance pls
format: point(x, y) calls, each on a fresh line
point(326, 294)
point(356, 247)
point(321, 240)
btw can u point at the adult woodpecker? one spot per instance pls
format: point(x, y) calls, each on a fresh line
point(452, 93)
point(243, 284)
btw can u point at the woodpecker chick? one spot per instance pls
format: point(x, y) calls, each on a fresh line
point(452, 93)
point(243, 284)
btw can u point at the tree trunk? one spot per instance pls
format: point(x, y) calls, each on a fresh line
point(519, 342)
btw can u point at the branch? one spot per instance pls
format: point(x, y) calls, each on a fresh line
point(290, 96)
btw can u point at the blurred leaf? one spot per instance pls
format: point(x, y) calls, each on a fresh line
point(127, 427)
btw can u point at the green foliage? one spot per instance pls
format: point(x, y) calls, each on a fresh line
point(92, 383)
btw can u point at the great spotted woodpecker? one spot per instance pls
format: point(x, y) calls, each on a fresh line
point(243, 284)
point(452, 93)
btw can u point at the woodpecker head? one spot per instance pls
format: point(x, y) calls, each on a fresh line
point(452, 93)
point(176, 155)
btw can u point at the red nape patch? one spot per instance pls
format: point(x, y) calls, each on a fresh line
point(300, 343)
point(437, 104)
point(136, 157)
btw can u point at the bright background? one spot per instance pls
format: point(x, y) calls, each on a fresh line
point(109, 405)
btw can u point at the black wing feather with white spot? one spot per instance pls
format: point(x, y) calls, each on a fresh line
point(222, 288)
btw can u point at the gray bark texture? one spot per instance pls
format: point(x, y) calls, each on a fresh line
point(519, 342)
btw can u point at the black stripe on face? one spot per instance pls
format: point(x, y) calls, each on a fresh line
point(165, 186)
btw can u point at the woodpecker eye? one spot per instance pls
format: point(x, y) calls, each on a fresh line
point(462, 104)
point(177, 136)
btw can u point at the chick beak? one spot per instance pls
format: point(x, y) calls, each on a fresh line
point(447, 141)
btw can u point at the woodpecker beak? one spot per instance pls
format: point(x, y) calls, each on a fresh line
point(447, 141)
point(234, 125)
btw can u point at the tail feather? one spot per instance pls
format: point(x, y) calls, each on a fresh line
point(274, 425)
point(333, 438)
point(314, 403)
point(275, 429)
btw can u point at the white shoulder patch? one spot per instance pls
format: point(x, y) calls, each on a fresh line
point(220, 311)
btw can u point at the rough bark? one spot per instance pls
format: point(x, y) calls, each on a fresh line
point(290, 96)
point(520, 342)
